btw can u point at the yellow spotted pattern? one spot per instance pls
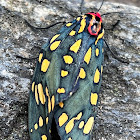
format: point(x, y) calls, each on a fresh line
point(36, 126)
point(96, 76)
point(93, 98)
point(47, 92)
point(62, 119)
point(83, 24)
point(44, 137)
point(101, 69)
point(81, 124)
point(88, 125)
point(72, 33)
point(82, 73)
point(75, 47)
point(45, 65)
point(41, 94)
point(61, 90)
point(40, 57)
point(54, 45)
point(36, 95)
point(40, 121)
point(69, 138)
point(49, 105)
point(99, 37)
point(31, 130)
point(33, 85)
point(102, 50)
point(49, 100)
point(78, 19)
point(64, 73)
point(68, 59)
point(53, 102)
point(88, 56)
point(70, 124)
point(54, 37)
point(61, 104)
point(47, 119)
point(68, 24)
point(97, 52)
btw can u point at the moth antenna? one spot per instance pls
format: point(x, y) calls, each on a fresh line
point(115, 13)
point(114, 55)
point(101, 6)
point(81, 6)
point(25, 58)
point(113, 26)
point(33, 27)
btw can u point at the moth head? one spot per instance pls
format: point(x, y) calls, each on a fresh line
point(95, 23)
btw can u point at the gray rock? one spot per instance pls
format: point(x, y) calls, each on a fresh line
point(119, 107)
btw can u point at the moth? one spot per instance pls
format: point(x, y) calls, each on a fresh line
point(67, 81)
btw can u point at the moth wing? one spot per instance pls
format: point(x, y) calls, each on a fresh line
point(75, 116)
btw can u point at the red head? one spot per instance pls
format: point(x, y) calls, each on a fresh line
point(95, 23)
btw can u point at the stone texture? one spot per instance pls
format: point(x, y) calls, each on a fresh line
point(119, 107)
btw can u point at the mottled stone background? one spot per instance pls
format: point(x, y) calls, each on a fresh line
point(119, 107)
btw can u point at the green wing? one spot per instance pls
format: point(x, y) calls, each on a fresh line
point(75, 117)
point(66, 84)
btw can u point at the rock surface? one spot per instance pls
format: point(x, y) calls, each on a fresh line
point(119, 107)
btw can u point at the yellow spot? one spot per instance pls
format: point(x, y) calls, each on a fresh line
point(54, 37)
point(45, 65)
point(101, 69)
point(78, 19)
point(83, 24)
point(102, 50)
point(88, 56)
point(36, 95)
point(40, 121)
point(64, 73)
point(49, 130)
point(61, 90)
point(33, 85)
point(61, 104)
point(96, 76)
point(49, 101)
point(31, 130)
point(68, 59)
point(47, 93)
point(93, 98)
point(54, 45)
point(49, 105)
point(40, 57)
point(88, 125)
point(82, 73)
point(72, 33)
point(53, 102)
point(75, 47)
point(79, 116)
point(47, 119)
point(68, 24)
point(99, 37)
point(81, 124)
point(41, 94)
point(69, 138)
point(70, 124)
point(36, 126)
point(97, 51)
point(44, 137)
point(62, 119)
